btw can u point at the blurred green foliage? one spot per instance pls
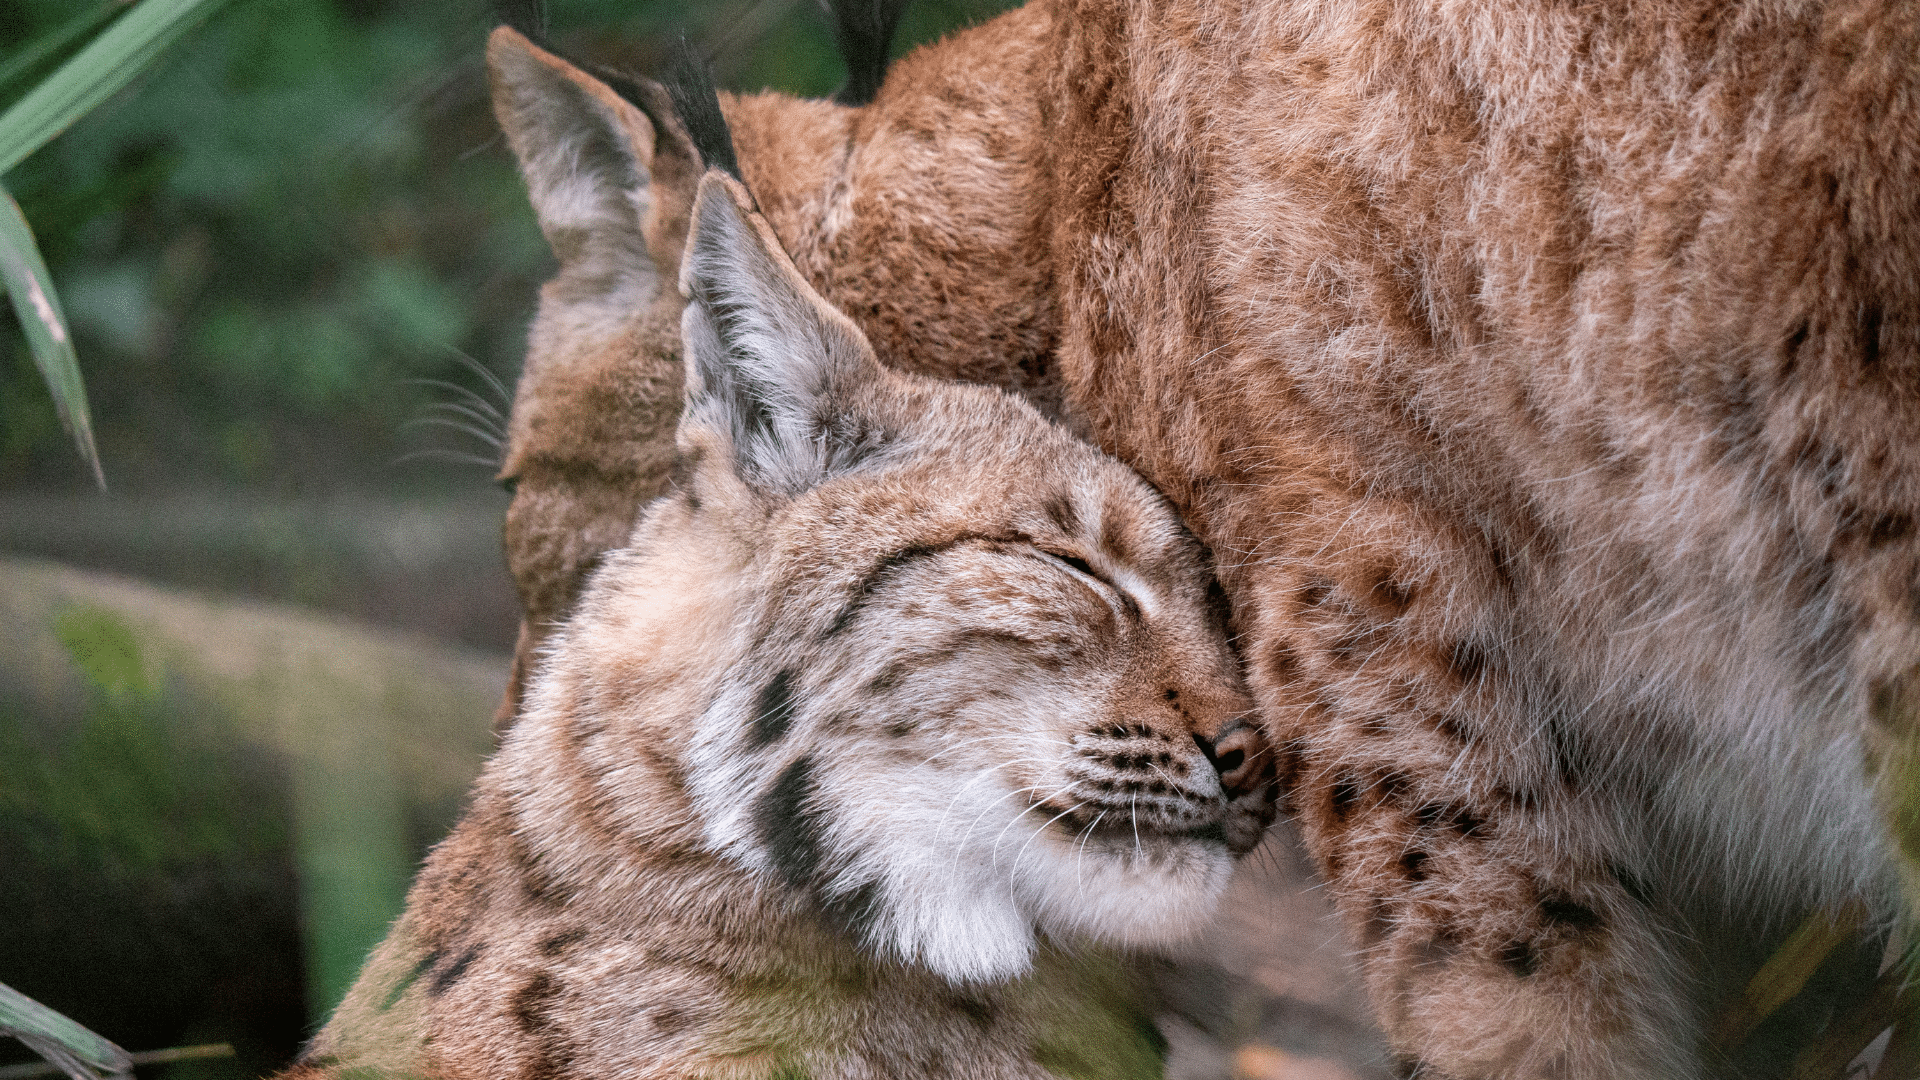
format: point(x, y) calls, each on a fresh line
point(132, 790)
point(304, 205)
point(146, 854)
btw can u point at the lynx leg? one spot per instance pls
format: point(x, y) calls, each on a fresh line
point(1488, 870)
point(1494, 944)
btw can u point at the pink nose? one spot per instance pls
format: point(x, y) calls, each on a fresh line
point(1236, 756)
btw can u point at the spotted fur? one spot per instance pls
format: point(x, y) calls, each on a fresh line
point(893, 715)
point(1545, 376)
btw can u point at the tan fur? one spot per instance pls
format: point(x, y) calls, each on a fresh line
point(900, 709)
point(1546, 379)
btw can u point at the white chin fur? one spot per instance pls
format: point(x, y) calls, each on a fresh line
point(1162, 893)
point(966, 906)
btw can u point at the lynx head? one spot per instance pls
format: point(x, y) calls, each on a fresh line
point(979, 686)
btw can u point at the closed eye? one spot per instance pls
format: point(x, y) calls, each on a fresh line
point(1076, 562)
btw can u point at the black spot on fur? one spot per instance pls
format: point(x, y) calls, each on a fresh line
point(698, 106)
point(1315, 593)
point(1212, 832)
point(890, 677)
point(792, 830)
point(773, 712)
point(1394, 786)
point(562, 941)
point(1220, 607)
point(1468, 823)
point(1795, 342)
point(1453, 728)
point(1343, 796)
point(1456, 817)
point(1393, 597)
point(1888, 529)
point(1059, 510)
point(789, 827)
point(1523, 799)
point(1569, 757)
point(1406, 1067)
point(1503, 564)
point(1564, 912)
point(1871, 320)
point(444, 979)
point(550, 1058)
point(1414, 864)
point(1519, 958)
point(978, 1010)
point(1467, 661)
point(400, 988)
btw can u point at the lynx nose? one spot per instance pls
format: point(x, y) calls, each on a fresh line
point(1238, 756)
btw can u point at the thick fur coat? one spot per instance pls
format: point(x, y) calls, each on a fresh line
point(1545, 379)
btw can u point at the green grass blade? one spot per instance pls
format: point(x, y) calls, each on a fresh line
point(24, 273)
point(45, 1030)
point(54, 42)
point(108, 63)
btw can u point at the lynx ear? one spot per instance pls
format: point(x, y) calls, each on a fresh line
point(601, 173)
point(769, 363)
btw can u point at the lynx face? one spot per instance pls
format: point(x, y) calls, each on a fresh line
point(974, 683)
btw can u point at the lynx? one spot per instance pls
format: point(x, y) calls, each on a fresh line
point(1545, 378)
point(900, 705)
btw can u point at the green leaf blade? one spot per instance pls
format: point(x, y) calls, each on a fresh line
point(30, 287)
point(45, 1030)
point(108, 62)
point(43, 50)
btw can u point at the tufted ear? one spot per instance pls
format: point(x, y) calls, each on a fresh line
point(608, 170)
point(769, 363)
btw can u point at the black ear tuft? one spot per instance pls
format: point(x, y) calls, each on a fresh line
point(863, 31)
point(698, 104)
point(527, 16)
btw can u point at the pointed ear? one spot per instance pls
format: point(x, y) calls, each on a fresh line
point(611, 179)
point(769, 362)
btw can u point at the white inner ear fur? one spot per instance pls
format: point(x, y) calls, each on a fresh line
point(756, 332)
point(592, 212)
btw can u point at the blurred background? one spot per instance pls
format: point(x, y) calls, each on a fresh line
point(242, 690)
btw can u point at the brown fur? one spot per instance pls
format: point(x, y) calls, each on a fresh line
point(900, 706)
point(1545, 377)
